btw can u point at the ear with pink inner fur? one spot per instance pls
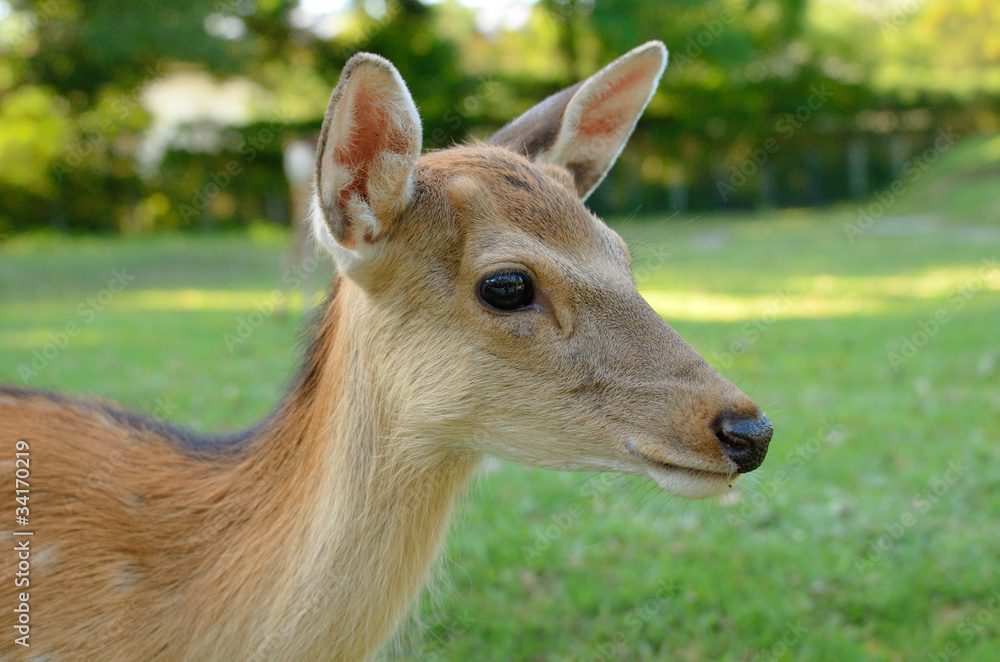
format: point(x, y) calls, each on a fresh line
point(584, 127)
point(367, 150)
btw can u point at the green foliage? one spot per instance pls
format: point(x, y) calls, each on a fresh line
point(913, 59)
point(34, 123)
point(79, 47)
point(736, 123)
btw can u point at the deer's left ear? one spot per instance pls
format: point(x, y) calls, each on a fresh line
point(367, 151)
point(584, 127)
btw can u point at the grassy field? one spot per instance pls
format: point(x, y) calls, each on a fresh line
point(870, 533)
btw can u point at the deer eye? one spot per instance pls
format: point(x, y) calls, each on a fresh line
point(507, 290)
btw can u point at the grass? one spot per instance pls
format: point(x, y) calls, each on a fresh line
point(869, 533)
point(955, 181)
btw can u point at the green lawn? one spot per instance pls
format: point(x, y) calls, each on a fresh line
point(871, 531)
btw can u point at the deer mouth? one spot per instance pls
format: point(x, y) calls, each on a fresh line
point(688, 482)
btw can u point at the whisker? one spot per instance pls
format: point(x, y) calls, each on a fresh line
point(626, 483)
point(644, 500)
point(622, 504)
point(575, 490)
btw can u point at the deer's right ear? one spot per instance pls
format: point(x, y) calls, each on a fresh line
point(584, 127)
point(367, 151)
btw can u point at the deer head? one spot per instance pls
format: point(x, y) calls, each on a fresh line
point(499, 313)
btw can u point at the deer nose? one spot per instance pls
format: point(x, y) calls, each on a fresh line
point(744, 439)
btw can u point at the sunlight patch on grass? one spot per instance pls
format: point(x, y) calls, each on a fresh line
point(991, 149)
point(932, 284)
point(702, 307)
point(28, 339)
point(204, 299)
point(827, 296)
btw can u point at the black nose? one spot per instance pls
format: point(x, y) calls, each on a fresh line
point(744, 439)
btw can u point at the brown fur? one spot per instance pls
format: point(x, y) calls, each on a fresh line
point(146, 551)
point(307, 537)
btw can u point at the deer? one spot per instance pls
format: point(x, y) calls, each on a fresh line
point(478, 309)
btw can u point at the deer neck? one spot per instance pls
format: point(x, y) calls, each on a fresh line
point(378, 500)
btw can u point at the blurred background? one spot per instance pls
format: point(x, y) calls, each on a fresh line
point(812, 200)
point(115, 115)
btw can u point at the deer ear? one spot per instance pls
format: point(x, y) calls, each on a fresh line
point(584, 127)
point(367, 150)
